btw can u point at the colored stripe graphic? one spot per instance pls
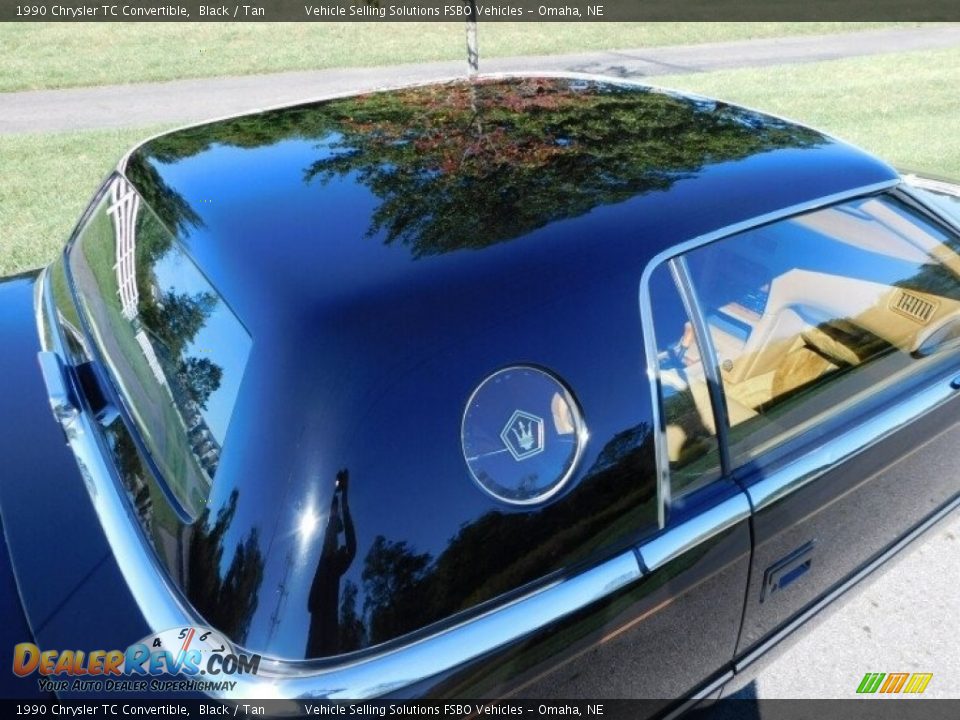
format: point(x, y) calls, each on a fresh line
point(870, 682)
point(918, 682)
point(894, 683)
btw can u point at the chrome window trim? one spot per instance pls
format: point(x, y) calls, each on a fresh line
point(709, 358)
point(380, 673)
point(933, 184)
point(646, 314)
point(398, 665)
point(859, 439)
point(39, 293)
point(913, 181)
point(682, 538)
point(137, 562)
point(365, 676)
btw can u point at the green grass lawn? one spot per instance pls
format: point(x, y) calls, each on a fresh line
point(54, 55)
point(903, 107)
point(46, 181)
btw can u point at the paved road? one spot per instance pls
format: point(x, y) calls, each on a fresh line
point(185, 101)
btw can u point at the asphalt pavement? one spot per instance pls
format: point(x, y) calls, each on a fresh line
point(185, 101)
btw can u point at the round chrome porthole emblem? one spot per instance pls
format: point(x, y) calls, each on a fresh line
point(522, 435)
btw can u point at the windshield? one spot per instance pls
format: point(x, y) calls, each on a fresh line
point(173, 347)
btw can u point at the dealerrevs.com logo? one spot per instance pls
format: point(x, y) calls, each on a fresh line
point(188, 659)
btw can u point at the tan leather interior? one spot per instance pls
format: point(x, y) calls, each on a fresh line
point(789, 346)
point(679, 438)
point(786, 319)
point(797, 340)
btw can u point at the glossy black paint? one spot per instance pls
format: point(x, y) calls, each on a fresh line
point(387, 252)
point(380, 255)
point(660, 639)
point(15, 626)
point(853, 512)
point(70, 588)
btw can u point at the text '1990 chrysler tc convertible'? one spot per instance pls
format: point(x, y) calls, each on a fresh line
point(505, 387)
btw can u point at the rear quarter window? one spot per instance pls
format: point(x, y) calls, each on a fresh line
point(687, 414)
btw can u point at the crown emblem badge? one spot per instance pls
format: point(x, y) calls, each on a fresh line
point(523, 435)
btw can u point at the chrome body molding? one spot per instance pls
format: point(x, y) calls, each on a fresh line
point(146, 579)
point(364, 676)
point(450, 648)
point(912, 182)
point(369, 676)
point(687, 535)
point(399, 664)
point(58, 391)
point(646, 316)
point(931, 184)
point(446, 648)
point(860, 439)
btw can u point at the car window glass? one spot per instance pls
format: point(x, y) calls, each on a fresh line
point(686, 411)
point(810, 314)
point(173, 347)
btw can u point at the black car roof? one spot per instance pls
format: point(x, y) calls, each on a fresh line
point(411, 186)
point(389, 251)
